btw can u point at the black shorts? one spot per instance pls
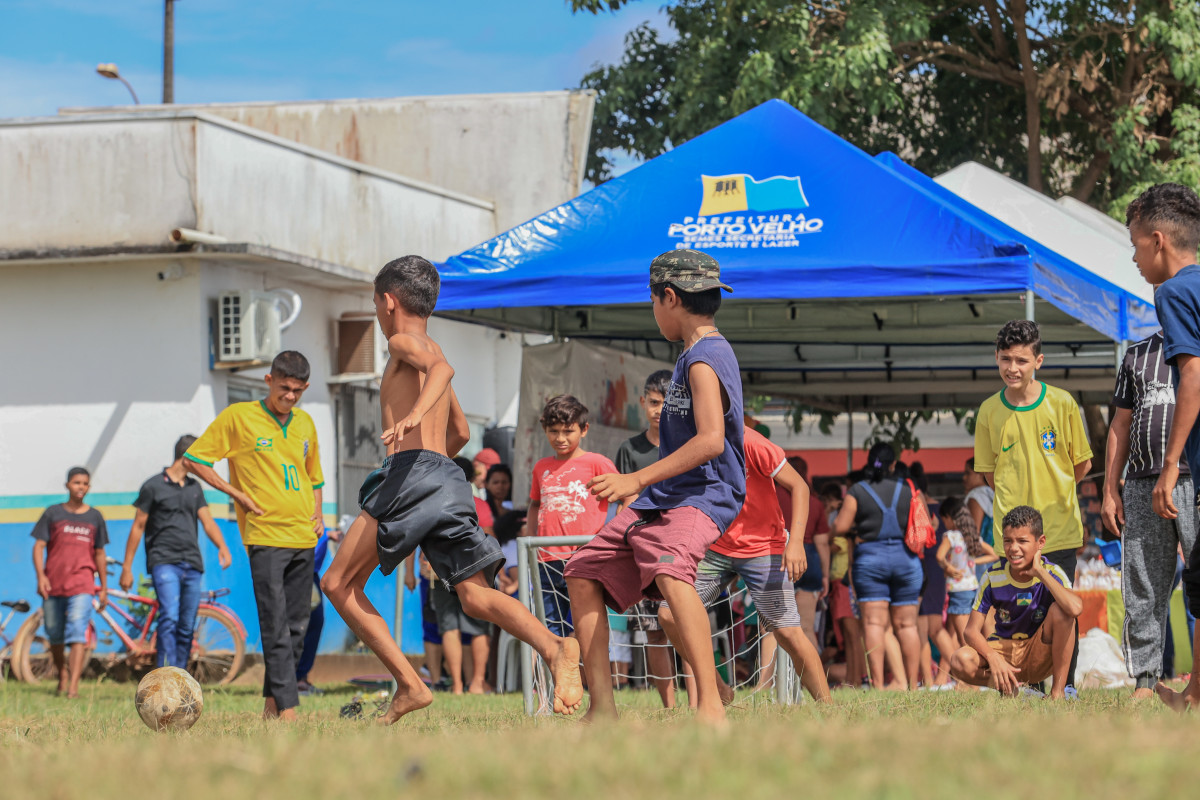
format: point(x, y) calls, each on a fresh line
point(422, 499)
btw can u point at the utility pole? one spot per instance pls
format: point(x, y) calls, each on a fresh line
point(169, 52)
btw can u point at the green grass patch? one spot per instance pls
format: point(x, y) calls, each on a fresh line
point(869, 744)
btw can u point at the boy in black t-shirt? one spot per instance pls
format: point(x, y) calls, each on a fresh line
point(168, 508)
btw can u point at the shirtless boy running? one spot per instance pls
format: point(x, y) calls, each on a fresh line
point(419, 497)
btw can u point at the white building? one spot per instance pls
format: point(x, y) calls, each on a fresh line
point(107, 327)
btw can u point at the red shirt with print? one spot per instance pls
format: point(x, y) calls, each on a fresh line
point(567, 507)
point(759, 529)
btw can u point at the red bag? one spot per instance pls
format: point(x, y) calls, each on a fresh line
point(920, 533)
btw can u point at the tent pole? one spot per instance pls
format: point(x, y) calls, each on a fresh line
point(1029, 298)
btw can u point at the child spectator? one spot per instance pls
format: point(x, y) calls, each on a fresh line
point(559, 501)
point(498, 486)
point(960, 552)
point(484, 460)
point(509, 527)
point(979, 499)
point(68, 554)
point(1035, 615)
point(635, 453)
point(813, 585)
point(1030, 446)
point(1164, 227)
point(483, 511)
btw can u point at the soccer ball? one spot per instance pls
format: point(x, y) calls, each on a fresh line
point(168, 698)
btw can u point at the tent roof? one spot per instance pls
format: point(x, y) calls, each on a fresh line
point(1073, 229)
point(850, 278)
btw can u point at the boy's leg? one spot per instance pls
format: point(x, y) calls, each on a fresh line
point(856, 656)
point(693, 639)
point(484, 602)
point(166, 579)
point(1148, 561)
point(344, 584)
point(1189, 698)
point(79, 613)
point(671, 629)
point(1059, 632)
point(807, 662)
point(54, 620)
point(904, 622)
point(806, 604)
point(480, 648)
point(591, 629)
point(190, 586)
point(661, 660)
point(452, 651)
point(967, 666)
point(1067, 560)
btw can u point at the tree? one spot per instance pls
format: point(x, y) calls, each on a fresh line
point(1093, 98)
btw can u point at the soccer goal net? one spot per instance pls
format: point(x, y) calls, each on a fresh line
point(641, 657)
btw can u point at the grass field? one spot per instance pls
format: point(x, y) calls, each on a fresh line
point(952, 745)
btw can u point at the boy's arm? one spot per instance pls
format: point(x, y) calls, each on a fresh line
point(707, 444)
point(795, 560)
point(1067, 599)
point(438, 373)
point(531, 517)
point(410, 572)
point(318, 515)
point(1187, 409)
point(131, 546)
point(224, 558)
point(39, 566)
point(1004, 674)
point(102, 573)
point(206, 473)
point(985, 455)
point(1116, 454)
point(458, 431)
point(942, 551)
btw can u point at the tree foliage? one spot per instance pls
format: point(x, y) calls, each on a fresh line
point(1093, 98)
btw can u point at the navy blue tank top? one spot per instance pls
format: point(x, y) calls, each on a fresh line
point(716, 487)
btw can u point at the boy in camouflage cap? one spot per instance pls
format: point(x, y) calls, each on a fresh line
point(652, 548)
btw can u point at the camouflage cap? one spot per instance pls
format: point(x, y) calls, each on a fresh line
point(690, 270)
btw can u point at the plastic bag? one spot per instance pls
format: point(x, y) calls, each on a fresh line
point(1101, 663)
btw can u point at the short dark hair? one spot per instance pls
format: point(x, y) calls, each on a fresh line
point(181, 447)
point(73, 471)
point(950, 506)
point(290, 364)
point(1024, 517)
point(508, 525)
point(703, 304)
point(1018, 332)
point(1172, 209)
point(413, 281)
point(830, 490)
point(658, 381)
point(564, 410)
point(466, 466)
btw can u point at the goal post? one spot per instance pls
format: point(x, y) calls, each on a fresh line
point(536, 684)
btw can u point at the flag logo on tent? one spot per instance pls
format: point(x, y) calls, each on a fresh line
point(724, 194)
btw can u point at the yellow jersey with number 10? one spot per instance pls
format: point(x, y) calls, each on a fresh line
point(1032, 451)
point(277, 464)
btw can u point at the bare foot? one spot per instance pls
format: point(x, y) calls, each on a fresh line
point(712, 717)
point(725, 691)
point(406, 702)
point(595, 717)
point(477, 688)
point(457, 689)
point(72, 695)
point(568, 688)
point(1176, 701)
point(270, 710)
point(287, 715)
point(1143, 693)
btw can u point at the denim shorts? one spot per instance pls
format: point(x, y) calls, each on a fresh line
point(886, 570)
point(961, 602)
point(813, 579)
point(66, 618)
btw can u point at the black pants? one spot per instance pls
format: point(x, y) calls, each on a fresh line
point(282, 591)
point(1067, 560)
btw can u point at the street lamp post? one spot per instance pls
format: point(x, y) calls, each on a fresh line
point(111, 71)
point(168, 52)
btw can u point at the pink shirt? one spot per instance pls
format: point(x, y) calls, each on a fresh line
point(567, 507)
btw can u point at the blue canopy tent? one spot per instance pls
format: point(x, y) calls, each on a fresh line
point(857, 282)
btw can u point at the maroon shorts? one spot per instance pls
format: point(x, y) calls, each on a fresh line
point(625, 557)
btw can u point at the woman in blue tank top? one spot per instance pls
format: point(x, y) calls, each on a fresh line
point(885, 574)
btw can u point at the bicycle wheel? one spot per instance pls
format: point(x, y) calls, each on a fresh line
point(217, 648)
point(32, 661)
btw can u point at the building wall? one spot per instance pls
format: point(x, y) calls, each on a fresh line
point(524, 152)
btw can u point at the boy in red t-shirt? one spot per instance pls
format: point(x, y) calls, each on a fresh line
point(560, 503)
point(758, 549)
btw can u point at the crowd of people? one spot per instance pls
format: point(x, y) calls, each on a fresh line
point(864, 582)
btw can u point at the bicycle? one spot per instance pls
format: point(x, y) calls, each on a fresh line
point(218, 641)
point(6, 645)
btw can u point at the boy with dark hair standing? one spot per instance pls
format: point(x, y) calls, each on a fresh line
point(272, 450)
point(1035, 615)
point(68, 552)
point(419, 497)
point(1164, 226)
point(559, 501)
point(168, 507)
point(1031, 447)
point(639, 452)
point(688, 498)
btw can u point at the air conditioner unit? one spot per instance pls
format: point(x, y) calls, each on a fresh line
point(248, 326)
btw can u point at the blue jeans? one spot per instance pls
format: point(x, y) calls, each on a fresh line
point(178, 589)
point(66, 618)
point(555, 598)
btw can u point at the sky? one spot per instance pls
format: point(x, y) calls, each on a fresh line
point(245, 50)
